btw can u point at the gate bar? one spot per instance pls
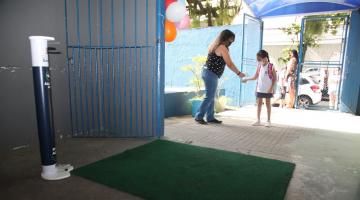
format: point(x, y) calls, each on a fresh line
point(79, 66)
point(108, 120)
point(124, 64)
point(147, 63)
point(136, 70)
point(90, 68)
point(113, 68)
point(67, 62)
point(97, 90)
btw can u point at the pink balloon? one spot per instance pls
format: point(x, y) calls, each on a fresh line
point(184, 23)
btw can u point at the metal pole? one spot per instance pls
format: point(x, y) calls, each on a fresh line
point(300, 62)
point(160, 66)
point(342, 60)
point(242, 58)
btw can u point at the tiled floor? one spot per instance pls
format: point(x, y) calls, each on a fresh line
point(236, 135)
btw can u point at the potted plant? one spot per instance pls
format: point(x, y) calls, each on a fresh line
point(221, 100)
point(196, 81)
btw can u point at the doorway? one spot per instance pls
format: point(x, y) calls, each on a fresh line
point(321, 60)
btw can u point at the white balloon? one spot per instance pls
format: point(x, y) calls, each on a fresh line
point(175, 12)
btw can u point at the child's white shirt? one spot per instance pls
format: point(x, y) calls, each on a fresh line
point(264, 82)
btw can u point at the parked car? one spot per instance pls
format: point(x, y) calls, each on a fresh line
point(309, 92)
point(319, 75)
point(316, 74)
point(311, 71)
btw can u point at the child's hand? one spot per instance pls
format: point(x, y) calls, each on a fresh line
point(244, 80)
point(270, 90)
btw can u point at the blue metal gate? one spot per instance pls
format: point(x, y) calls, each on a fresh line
point(115, 57)
point(350, 90)
point(251, 44)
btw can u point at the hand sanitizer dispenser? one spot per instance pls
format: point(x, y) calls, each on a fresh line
point(42, 90)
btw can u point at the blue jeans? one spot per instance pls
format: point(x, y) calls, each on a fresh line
point(207, 106)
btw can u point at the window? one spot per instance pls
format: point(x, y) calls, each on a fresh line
point(303, 81)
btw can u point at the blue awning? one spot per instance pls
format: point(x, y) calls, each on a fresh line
point(266, 8)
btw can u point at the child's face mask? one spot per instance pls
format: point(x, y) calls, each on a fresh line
point(263, 62)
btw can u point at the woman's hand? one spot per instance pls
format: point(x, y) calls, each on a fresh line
point(270, 90)
point(244, 80)
point(241, 75)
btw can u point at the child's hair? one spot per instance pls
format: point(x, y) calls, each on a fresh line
point(262, 54)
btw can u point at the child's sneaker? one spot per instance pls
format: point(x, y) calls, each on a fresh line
point(257, 123)
point(268, 124)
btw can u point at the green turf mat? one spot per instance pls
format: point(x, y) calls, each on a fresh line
point(165, 170)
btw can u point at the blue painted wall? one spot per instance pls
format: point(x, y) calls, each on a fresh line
point(350, 95)
point(195, 42)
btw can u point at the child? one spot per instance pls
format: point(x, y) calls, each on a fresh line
point(283, 83)
point(333, 85)
point(266, 79)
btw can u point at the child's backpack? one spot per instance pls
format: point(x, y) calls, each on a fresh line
point(270, 70)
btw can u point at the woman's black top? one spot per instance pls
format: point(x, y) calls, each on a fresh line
point(215, 64)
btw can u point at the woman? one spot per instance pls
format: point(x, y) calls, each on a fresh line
point(218, 57)
point(291, 76)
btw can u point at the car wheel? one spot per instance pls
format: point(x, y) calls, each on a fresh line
point(304, 102)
